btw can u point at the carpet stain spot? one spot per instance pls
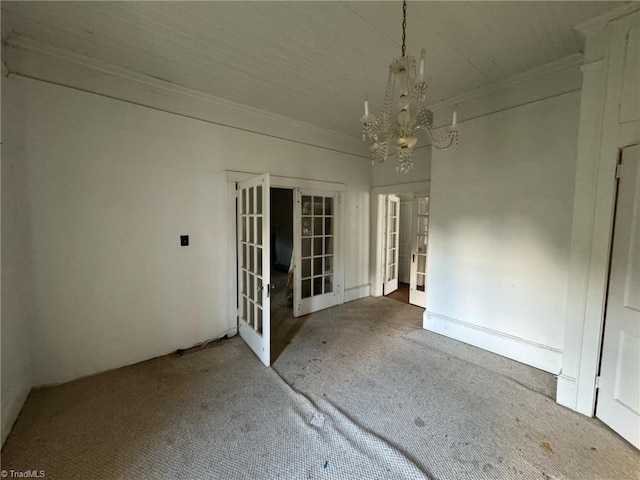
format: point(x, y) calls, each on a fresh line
point(419, 422)
point(593, 448)
point(547, 447)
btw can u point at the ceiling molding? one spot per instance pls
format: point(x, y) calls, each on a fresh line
point(18, 42)
point(571, 60)
point(601, 21)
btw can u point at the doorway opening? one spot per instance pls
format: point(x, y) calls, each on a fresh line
point(403, 227)
point(283, 324)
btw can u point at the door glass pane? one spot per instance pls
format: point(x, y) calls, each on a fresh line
point(423, 206)
point(328, 264)
point(317, 286)
point(259, 200)
point(328, 206)
point(259, 264)
point(243, 237)
point(306, 205)
point(422, 263)
point(328, 226)
point(252, 315)
point(252, 266)
point(328, 245)
point(251, 228)
point(306, 227)
point(306, 247)
point(317, 266)
point(306, 288)
point(251, 287)
point(317, 205)
point(420, 282)
point(259, 231)
point(259, 291)
point(244, 308)
point(251, 200)
point(422, 243)
point(243, 204)
point(306, 268)
point(328, 284)
point(259, 320)
point(317, 246)
point(244, 282)
point(244, 255)
point(317, 226)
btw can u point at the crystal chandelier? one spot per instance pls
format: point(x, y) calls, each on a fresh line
point(403, 115)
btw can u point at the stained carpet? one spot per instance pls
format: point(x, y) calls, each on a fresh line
point(360, 391)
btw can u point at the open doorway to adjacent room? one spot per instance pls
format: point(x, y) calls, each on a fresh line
point(401, 244)
point(283, 324)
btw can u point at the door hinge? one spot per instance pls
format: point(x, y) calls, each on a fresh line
point(597, 382)
point(619, 170)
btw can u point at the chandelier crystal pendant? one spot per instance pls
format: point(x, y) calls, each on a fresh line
point(403, 115)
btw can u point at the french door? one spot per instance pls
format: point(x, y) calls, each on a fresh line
point(391, 244)
point(315, 251)
point(418, 284)
point(619, 393)
point(254, 276)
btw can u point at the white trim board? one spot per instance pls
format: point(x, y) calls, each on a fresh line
point(537, 355)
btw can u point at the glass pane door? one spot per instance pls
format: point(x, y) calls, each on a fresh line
point(315, 252)
point(253, 264)
point(417, 291)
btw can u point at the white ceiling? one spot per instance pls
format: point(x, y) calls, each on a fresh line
point(311, 61)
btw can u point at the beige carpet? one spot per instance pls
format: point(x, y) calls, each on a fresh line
point(359, 392)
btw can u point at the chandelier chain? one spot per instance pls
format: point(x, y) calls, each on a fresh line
point(404, 26)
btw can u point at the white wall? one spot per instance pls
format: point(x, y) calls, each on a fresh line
point(112, 185)
point(15, 331)
point(500, 229)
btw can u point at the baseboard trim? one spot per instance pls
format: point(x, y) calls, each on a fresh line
point(524, 351)
point(355, 293)
point(567, 391)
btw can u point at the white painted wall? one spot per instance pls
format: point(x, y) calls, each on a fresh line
point(15, 331)
point(111, 187)
point(500, 230)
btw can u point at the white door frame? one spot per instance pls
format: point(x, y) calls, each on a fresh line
point(233, 177)
point(389, 286)
point(600, 139)
point(377, 231)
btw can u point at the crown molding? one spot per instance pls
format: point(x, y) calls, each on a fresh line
point(21, 43)
point(566, 62)
point(601, 21)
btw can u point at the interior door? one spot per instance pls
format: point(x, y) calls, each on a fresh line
point(391, 243)
point(254, 275)
point(315, 251)
point(619, 393)
point(417, 286)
